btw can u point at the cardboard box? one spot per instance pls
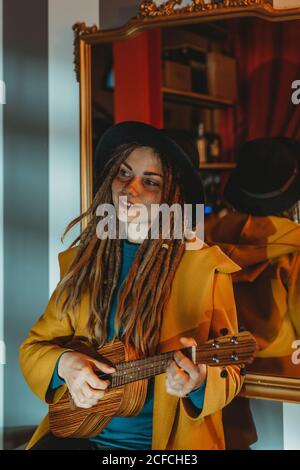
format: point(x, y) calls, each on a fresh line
point(222, 76)
point(179, 38)
point(285, 4)
point(178, 116)
point(177, 76)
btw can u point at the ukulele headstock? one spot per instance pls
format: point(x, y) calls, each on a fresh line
point(228, 350)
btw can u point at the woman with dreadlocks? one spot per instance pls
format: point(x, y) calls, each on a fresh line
point(155, 294)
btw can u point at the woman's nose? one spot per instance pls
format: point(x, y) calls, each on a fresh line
point(133, 187)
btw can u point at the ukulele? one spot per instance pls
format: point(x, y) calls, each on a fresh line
point(126, 394)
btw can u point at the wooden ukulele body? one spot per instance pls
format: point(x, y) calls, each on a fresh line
point(125, 400)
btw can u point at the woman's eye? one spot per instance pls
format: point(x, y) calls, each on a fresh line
point(152, 183)
point(124, 173)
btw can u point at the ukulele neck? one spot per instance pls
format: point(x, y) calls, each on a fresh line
point(223, 351)
point(145, 368)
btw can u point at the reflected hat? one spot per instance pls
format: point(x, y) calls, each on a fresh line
point(266, 180)
point(135, 132)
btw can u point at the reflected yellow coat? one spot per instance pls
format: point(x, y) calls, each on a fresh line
point(200, 304)
point(267, 289)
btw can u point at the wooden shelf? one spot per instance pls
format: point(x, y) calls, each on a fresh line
point(218, 166)
point(196, 98)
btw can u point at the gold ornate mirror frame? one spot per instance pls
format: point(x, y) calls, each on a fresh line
point(152, 16)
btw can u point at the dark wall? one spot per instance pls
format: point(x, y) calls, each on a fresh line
point(25, 63)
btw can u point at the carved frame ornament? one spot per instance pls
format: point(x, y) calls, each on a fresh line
point(149, 8)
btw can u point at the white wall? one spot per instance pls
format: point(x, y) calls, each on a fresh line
point(1, 230)
point(64, 145)
point(268, 418)
point(277, 425)
point(291, 432)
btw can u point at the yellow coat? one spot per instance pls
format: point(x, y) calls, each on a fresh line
point(201, 303)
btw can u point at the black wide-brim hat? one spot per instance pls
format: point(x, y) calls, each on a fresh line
point(266, 180)
point(130, 132)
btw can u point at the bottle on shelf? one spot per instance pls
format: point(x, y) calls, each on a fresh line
point(213, 147)
point(201, 144)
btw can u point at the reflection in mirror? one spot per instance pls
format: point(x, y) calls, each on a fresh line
point(223, 83)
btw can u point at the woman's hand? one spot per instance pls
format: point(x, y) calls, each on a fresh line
point(183, 375)
point(85, 387)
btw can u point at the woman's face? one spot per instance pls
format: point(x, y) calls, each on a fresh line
point(140, 179)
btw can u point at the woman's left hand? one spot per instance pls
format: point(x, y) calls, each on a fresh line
point(183, 375)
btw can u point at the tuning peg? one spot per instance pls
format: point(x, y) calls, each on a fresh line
point(216, 359)
point(224, 373)
point(223, 331)
point(234, 357)
point(243, 371)
point(234, 340)
point(216, 344)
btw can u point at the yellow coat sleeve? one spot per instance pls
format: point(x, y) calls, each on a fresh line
point(294, 294)
point(219, 391)
point(44, 345)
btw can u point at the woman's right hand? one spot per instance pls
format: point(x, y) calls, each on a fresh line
point(85, 387)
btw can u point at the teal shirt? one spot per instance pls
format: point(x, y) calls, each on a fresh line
point(134, 432)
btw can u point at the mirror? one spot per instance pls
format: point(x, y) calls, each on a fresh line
point(226, 72)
